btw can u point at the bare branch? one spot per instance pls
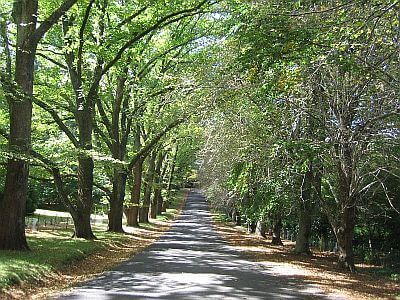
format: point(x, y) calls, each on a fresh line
point(51, 20)
point(148, 147)
point(324, 11)
point(131, 17)
point(81, 37)
point(58, 120)
point(162, 22)
point(103, 115)
point(64, 67)
point(102, 135)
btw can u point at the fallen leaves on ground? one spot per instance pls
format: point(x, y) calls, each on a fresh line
point(93, 265)
point(317, 269)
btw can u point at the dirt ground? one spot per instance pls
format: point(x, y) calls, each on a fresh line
point(318, 269)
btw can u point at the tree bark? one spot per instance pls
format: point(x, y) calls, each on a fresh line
point(144, 211)
point(237, 217)
point(85, 170)
point(344, 232)
point(261, 229)
point(170, 178)
point(117, 201)
point(305, 214)
point(345, 223)
point(13, 204)
point(303, 236)
point(118, 152)
point(137, 172)
point(80, 211)
point(82, 224)
point(160, 203)
point(251, 227)
point(276, 232)
point(157, 186)
point(84, 112)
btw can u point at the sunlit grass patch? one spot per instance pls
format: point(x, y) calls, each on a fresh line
point(220, 217)
point(175, 204)
point(50, 251)
point(53, 250)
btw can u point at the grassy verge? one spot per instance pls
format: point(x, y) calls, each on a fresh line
point(51, 251)
point(55, 255)
point(175, 205)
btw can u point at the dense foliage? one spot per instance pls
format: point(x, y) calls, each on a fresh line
point(309, 123)
point(289, 109)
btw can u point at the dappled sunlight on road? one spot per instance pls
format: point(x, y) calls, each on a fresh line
point(192, 261)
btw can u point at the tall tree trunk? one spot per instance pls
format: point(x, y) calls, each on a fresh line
point(261, 229)
point(144, 211)
point(237, 217)
point(251, 226)
point(303, 236)
point(344, 231)
point(305, 214)
point(118, 152)
point(157, 186)
point(276, 232)
point(155, 202)
point(133, 211)
point(117, 201)
point(13, 204)
point(85, 171)
point(79, 211)
point(82, 224)
point(345, 221)
point(170, 178)
point(137, 171)
point(84, 119)
point(160, 202)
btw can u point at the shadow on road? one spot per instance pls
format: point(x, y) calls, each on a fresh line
point(192, 261)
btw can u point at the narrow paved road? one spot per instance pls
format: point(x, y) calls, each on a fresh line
point(191, 261)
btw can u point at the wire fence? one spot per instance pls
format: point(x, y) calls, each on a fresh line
point(36, 223)
point(40, 222)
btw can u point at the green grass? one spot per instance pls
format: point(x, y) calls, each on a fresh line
point(53, 250)
point(50, 251)
point(388, 273)
point(174, 206)
point(221, 217)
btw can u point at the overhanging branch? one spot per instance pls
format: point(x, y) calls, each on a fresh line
point(146, 148)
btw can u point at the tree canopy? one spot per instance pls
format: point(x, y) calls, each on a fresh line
point(287, 113)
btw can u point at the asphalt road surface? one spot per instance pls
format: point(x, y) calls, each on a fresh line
point(192, 261)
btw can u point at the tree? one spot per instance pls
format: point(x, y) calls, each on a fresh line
point(351, 99)
point(86, 83)
point(12, 204)
point(154, 208)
